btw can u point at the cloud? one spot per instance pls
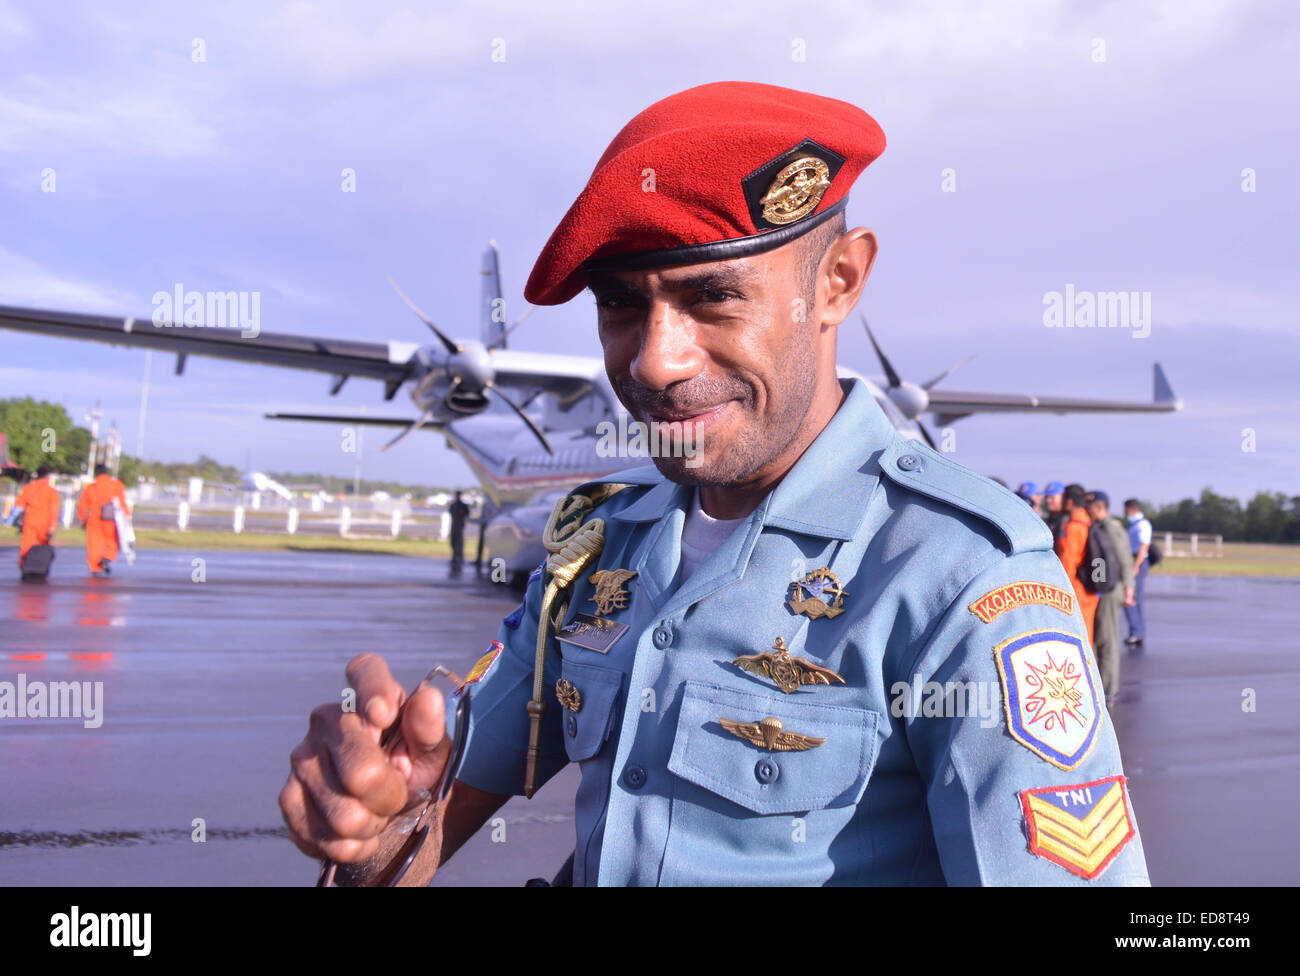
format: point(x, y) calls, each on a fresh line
point(24, 282)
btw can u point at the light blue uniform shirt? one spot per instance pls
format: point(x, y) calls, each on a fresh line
point(1139, 532)
point(918, 781)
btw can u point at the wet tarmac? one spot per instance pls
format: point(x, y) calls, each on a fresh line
point(207, 686)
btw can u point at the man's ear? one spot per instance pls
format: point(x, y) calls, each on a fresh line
point(846, 264)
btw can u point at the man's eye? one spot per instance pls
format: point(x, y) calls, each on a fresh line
point(715, 297)
point(613, 302)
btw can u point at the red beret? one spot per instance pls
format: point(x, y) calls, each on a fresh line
point(709, 174)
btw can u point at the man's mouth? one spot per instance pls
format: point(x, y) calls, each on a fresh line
point(691, 417)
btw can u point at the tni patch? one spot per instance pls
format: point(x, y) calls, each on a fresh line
point(480, 669)
point(1050, 698)
point(1081, 827)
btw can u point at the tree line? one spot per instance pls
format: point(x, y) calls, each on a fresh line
point(38, 432)
point(1271, 516)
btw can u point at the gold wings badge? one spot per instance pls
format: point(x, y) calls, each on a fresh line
point(611, 594)
point(787, 672)
point(768, 733)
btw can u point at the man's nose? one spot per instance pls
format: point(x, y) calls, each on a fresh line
point(669, 351)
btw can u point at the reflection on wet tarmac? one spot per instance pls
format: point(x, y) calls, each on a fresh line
point(122, 838)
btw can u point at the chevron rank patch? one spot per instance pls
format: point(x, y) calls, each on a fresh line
point(481, 667)
point(1082, 828)
point(1049, 695)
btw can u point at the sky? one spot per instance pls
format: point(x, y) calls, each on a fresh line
point(1135, 146)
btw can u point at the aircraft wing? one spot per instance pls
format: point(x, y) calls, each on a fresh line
point(953, 404)
point(386, 361)
point(355, 420)
point(567, 377)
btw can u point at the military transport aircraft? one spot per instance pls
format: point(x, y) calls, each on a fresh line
point(561, 400)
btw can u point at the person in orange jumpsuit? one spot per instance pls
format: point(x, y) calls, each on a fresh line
point(40, 501)
point(101, 533)
point(1072, 550)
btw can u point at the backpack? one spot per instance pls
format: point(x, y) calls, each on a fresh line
point(1154, 554)
point(1101, 555)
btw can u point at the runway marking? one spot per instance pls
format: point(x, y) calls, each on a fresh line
point(61, 656)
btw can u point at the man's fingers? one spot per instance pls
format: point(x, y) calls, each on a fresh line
point(342, 849)
point(424, 737)
point(345, 815)
point(309, 831)
point(357, 764)
point(424, 723)
point(379, 696)
point(293, 807)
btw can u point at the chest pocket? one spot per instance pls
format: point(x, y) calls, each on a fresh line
point(833, 774)
point(587, 729)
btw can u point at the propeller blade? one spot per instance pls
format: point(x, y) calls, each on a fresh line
point(451, 346)
point(947, 372)
point(893, 377)
point(424, 419)
point(926, 434)
point(537, 431)
point(516, 324)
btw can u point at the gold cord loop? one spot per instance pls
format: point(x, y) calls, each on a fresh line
point(571, 545)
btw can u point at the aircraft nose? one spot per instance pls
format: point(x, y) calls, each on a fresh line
point(472, 365)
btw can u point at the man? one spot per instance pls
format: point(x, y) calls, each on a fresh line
point(1139, 539)
point(1072, 549)
point(459, 512)
point(1105, 627)
point(1054, 513)
point(1029, 493)
point(744, 699)
point(39, 500)
point(95, 511)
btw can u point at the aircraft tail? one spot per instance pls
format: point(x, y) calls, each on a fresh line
point(493, 309)
point(1164, 393)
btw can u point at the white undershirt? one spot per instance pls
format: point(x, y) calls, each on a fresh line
point(702, 536)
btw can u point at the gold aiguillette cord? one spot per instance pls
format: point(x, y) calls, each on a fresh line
point(572, 545)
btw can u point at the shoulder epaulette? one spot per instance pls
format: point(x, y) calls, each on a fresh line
point(927, 472)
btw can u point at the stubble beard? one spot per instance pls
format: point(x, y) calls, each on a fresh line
point(760, 439)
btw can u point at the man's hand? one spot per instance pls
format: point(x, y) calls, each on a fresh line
point(1130, 596)
point(343, 790)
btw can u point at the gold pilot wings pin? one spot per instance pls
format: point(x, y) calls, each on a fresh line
point(786, 672)
point(1082, 827)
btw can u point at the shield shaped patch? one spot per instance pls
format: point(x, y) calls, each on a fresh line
point(1049, 695)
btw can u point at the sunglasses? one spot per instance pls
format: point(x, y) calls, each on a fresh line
point(415, 824)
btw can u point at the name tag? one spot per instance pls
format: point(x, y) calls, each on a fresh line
point(591, 633)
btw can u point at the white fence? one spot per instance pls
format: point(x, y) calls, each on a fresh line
point(1191, 544)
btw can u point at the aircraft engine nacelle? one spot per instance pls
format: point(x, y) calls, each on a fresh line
point(911, 400)
point(454, 385)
